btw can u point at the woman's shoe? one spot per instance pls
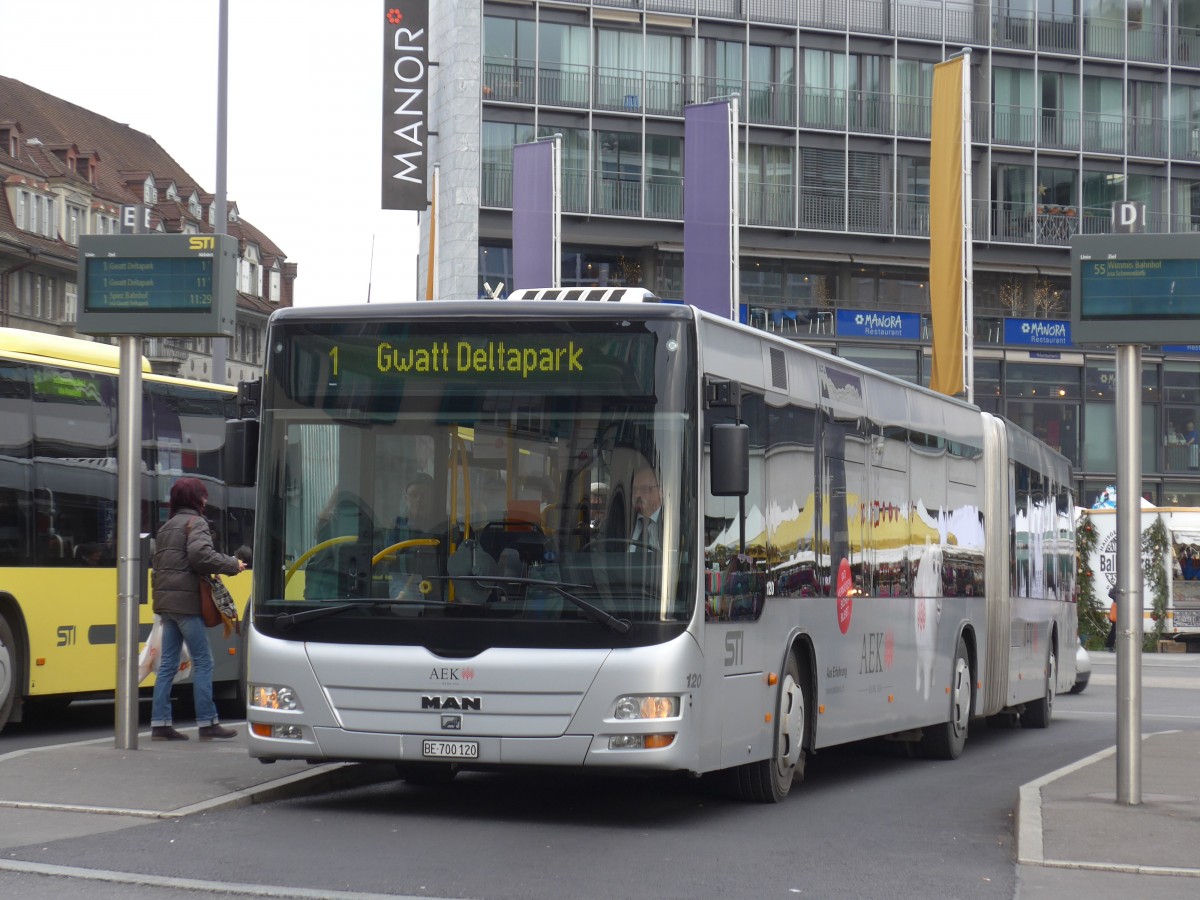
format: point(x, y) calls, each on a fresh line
point(166, 733)
point(216, 732)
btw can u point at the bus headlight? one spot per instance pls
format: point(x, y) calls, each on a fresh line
point(646, 708)
point(640, 741)
point(270, 696)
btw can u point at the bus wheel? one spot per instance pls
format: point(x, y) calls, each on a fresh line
point(427, 773)
point(946, 739)
point(1038, 713)
point(769, 780)
point(10, 671)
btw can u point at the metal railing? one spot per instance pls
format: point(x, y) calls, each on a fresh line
point(832, 208)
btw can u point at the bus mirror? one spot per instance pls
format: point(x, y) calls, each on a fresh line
point(241, 452)
point(729, 465)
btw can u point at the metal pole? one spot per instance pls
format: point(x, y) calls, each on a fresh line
point(556, 204)
point(220, 345)
point(129, 517)
point(1129, 575)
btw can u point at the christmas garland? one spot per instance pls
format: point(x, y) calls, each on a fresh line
point(1156, 561)
point(1093, 616)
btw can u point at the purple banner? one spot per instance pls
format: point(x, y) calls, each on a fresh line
point(707, 217)
point(533, 215)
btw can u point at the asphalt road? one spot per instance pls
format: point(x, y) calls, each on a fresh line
point(866, 822)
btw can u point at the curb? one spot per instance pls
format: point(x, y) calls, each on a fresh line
point(1029, 839)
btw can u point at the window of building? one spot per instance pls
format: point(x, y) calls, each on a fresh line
point(870, 192)
point(766, 187)
point(1013, 106)
point(619, 70)
point(575, 164)
point(1056, 187)
point(823, 96)
point(618, 172)
point(564, 64)
point(1103, 114)
point(822, 188)
point(498, 139)
point(870, 93)
point(1185, 204)
point(722, 74)
point(1058, 110)
point(664, 74)
point(509, 51)
point(772, 88)
point(913, 97)
point(664, 176)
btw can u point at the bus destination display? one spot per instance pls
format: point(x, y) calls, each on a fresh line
point(137, 283)
point(393, 364)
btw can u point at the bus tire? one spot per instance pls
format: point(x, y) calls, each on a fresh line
point(947, 739)
point(1039, 713)
point(769, 780)
point(10, 671)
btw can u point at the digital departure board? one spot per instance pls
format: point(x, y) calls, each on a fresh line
point(161, 284)
point(1134, 288)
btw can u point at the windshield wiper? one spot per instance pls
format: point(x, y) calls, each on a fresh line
point(284, 621)
point(595, 613)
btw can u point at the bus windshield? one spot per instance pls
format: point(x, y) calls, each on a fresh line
point(462, 484)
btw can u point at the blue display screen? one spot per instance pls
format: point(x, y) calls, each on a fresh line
point(1138, 289)
point(182, 284)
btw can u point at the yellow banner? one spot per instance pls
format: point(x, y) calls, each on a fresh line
point(946, 228)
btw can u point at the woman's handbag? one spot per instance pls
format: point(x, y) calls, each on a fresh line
point(217, 606)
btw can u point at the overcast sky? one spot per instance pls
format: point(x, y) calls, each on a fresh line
point(304, 116)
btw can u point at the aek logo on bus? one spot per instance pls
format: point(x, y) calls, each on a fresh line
point(451, 673)
point(878, 652)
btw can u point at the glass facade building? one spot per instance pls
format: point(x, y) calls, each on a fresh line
point(1075, 105)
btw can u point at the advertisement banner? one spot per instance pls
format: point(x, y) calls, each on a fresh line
point(405, 104)
point(878, 324)
point(533, 215)
point(707, 209)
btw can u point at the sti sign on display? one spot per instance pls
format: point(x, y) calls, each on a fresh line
point(1134, 288)
point(405, 103)
point(158, 284)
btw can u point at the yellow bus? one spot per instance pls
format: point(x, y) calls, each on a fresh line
point(58, 511)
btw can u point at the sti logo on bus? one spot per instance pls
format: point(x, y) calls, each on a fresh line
point(450, 703)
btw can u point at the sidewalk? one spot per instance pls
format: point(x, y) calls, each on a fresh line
point(1074, 839)
point(89, 787)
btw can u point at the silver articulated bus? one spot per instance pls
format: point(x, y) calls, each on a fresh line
point(630, 535)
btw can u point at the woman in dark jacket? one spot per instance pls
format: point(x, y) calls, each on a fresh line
point(183, 553)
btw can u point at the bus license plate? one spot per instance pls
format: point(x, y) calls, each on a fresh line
point(450, 749)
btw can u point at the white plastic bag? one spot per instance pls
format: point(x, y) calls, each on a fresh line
point(152, 652)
